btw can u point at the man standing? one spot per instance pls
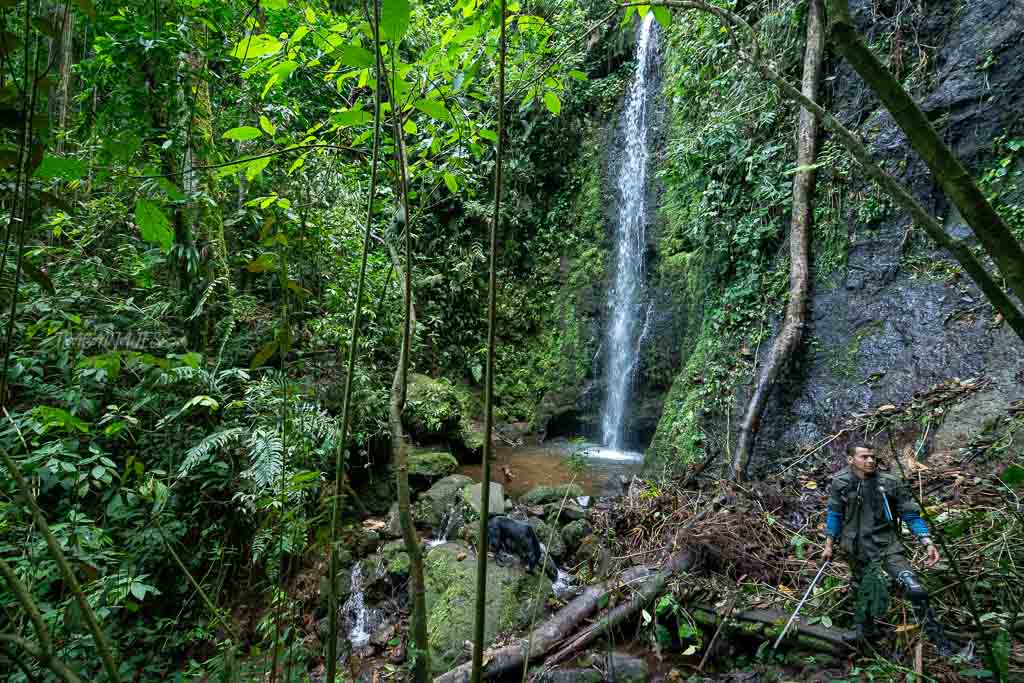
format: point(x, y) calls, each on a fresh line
point(864, 513)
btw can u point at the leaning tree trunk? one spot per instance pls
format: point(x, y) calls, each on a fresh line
point(799, 238)
point(549, 634)
point(959, 186)
point(960, 250)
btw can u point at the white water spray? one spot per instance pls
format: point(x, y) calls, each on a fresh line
point(355, 607)
point(626, 298)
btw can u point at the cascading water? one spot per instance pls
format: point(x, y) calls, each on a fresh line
point(627, 296)
point(356, 611)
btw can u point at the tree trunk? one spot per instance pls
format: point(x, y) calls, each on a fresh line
point(809, 636)
point(208, 220)
point(492, 288)
point(993, 233)
point(545, 636)
point(652, 586)
point(959, 249)
point(399, 443)
point(400, 457)
point(62, 55)
point(792, 330)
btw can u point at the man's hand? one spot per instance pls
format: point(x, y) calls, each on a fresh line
point(933, 556)
point(826, 554)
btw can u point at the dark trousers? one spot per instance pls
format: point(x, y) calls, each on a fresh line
point(899, 569)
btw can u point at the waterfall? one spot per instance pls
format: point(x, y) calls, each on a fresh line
point(355, 609)
point(451, 521)
point(625, 299)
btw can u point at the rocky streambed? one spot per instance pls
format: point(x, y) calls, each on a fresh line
point(446, 512)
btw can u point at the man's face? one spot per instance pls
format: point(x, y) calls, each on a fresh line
point(862, 462)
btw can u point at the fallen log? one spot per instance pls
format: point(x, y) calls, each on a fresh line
point(501, 660)
point(768, 623)
point(651, 588)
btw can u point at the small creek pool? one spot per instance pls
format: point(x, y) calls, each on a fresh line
point(548, 464)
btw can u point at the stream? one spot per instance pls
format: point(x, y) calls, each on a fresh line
point(550, 464)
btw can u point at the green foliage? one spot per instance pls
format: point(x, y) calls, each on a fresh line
point(727, 201)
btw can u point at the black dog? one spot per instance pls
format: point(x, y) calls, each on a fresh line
point(516, 538)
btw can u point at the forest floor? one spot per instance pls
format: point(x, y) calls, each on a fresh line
point(756, 548)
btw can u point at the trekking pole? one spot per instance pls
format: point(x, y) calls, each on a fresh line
point(800, 604)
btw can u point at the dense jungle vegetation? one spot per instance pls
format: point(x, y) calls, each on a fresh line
point(187, 192)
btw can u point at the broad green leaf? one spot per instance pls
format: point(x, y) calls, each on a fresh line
point(630, 11)
point(471, 31)
point(60, 167)
point(642, 10)
point(276, 5)
point(353, 55)
point(170, 189)
point(261, 264)
point(58, 417)
point(254, 168)
point(451, 182)
point(351, 117)
point(394, 19)
point(254, 47)
point(434, 109)
point(552, 102)
point(1013, 476)
point(410, 127)
point(310, 15)
point(153, 224)
point(267, 126)
point(298, 35)
point(578, 75)
point(488, 134)
point(285, 69)
point(243, 133)
point(663, 16)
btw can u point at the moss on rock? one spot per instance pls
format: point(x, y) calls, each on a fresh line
point(551, 494)
point(431, 464)
point(451, 584)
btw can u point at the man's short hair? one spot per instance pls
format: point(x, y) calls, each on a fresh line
point(854, 444)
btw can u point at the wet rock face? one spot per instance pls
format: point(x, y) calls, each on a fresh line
point(884, 330)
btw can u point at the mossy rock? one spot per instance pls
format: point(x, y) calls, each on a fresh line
point(396, 559)
point(427, 465)
point(551, 538)
point(574, 533)
point(469, 438)
point(495, 503)
point(451, 587)
point(551, 494)
point(432, 409)
point(435, 501)
point(344, 585)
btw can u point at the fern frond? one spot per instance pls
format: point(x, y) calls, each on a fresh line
point(206, 295)
point(214, 442)
point(266, 459)
point(185, 373)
